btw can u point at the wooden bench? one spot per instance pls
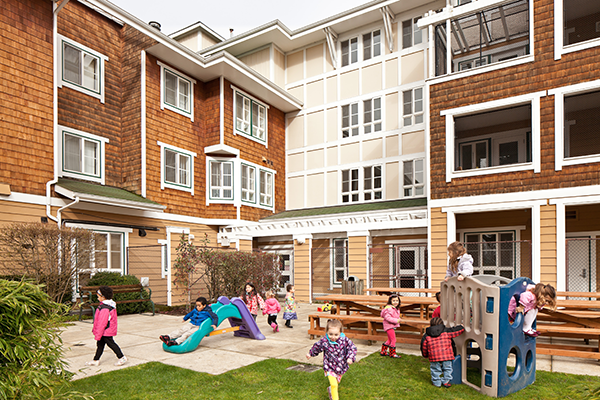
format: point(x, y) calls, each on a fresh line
point(570, 331)
point(86, 293)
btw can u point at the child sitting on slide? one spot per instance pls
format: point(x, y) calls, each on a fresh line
point(195, 317)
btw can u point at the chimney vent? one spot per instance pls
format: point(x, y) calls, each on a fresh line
point(154, 24)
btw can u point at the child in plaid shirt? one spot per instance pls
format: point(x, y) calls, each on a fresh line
point(437, 346)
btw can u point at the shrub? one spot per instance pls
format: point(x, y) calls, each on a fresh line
point(31, 365)
point(116, 279)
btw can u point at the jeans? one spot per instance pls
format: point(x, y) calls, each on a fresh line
point(437, 367)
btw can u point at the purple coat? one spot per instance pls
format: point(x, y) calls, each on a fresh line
point(335, 356)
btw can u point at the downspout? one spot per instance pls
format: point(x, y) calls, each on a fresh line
point(55, 11)
point(58, 213)
point(143, 119)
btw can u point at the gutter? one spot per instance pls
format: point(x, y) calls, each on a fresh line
point(58, 213)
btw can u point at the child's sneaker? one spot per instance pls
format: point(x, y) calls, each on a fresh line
point(446, 385)
point(532, 333)
point(329, 392)
point(165, 338)
point(121, 361)
point(172, 343)
point(93, 363)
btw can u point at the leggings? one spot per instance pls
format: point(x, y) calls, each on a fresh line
point(110, 341)
point(333, 382)
point(529, 318)
point(391, 333)
point(272, 319)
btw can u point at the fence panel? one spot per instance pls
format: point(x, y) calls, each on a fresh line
point(581, 264)
point(399, 266)
point(329, 270)
point(510, 259)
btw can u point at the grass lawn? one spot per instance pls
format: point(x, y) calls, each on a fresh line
point(374, 377)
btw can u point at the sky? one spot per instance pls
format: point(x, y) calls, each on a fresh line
point(241, 15)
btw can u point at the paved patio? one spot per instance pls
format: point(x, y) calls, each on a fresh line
point(138, 338)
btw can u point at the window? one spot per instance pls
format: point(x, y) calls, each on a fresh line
point(82, 155)
point(109, 253)
point(221, 180)
point(250, 117)
point(350, 191)
point(350, 120)
point(177, 170)
point(82, 69)
point(349, 51)
point(414, 178)
point(494, 253)
point(412, 110)
point(371, 45)
point(176, 91)
point(372, 183)
point(411, 34)
point(266, 188)
point(581, 125)
point(372, 115)
point(339, 261)
point(248, 183)
point(580, 21)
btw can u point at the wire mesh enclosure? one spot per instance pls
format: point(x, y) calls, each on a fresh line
point(581, 264)
point(329, 268)
point(399, 266)
point(510, 259)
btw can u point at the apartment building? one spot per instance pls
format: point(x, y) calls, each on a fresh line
point(110, 125)
point(514, 153)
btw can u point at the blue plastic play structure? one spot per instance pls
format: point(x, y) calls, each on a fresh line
point(480, 304)
point(239, 317)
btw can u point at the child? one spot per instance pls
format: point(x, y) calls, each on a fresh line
point(534, 298)
point(105, 327)
point(272, 308)
point(338, 353)
point(253, 300)
point(459, 262)
point(438, 310)
point(437, 346)
point(391, 321)
point(289, 310)
point(195, 317)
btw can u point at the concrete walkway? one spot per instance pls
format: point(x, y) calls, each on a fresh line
point(138, 338)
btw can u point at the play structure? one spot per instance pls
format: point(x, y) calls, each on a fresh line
point(480, 304)
point(242, 324)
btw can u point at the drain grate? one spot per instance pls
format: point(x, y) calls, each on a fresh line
point(304, 367)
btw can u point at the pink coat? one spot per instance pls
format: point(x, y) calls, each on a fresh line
point(272, 306)
point(527, 300)
point(101, 320)
point(390, 317)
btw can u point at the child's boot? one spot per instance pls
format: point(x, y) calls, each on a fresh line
point(392, 352)
point(384, 349)
point(274, 326)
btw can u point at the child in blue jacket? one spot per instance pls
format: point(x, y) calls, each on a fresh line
point(195, 317)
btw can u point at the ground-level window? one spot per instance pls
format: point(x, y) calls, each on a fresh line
point(109, 253)
point(339, 261)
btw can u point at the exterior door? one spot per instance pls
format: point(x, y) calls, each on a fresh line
point(581, 261)
point(410, 266)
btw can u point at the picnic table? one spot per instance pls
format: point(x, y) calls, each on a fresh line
point(389, 290)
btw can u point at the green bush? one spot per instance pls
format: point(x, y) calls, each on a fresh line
point(31, 365)
point(116, 279)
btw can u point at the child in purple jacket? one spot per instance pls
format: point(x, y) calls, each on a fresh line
point(105, 327)
point(338, 353)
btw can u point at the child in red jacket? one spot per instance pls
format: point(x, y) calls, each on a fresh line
point(105, 327)
point(437, 346)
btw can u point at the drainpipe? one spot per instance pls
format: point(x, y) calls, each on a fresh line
point(58, 213)
point(55, 11)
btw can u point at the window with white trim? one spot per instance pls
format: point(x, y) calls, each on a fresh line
point(414, 178)
point(82, 69)
point(248, 183)
point(109, 253)
point(372, 115)
point(494, 253)
point(412, 106)
point(177, 168)
point(177, 91)
point(581, 125)
point(339, 261)
point(266, 188)
point(221, 180)
point(411, 34)
point(581, 21)
point(350, 120)
point(372, 183)
point(82, 155)
point(250, 117)
point(349, 51)
point(371, 44)
point(350, 190)
point(368, 44)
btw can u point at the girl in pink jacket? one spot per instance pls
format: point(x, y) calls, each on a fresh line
point(391, 321)
point(272, 308)
point(105, 327)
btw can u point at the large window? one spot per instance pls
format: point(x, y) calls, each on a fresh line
point(109, 254)
point(370, 117)
point(221, 180)
point(349, 51)
point(581, 125)
point(177, 168)
point(82, 69)
point(177, 91)
point(581, 21)
point(362, 184)
point(248, 183)
point(266, 188)
point(412, 106)
point(411, 34)
point(372, 183)
point(250, 117)
point(494, 253)
point(370, 43)
point(350, 191)
point(82, 155)
point(414, 178)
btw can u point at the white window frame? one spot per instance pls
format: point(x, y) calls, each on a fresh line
point(163, 82)
point(102, 59)
point(350, 51)
point(516, 268)
point(413, 117)
point(269, 193)
point(373, 47)
point(559, 48)
point(345, 267)
point(248, 184)
point(163, 176)
point(221, 187)
point(451, 114)
point(100, 177)
point(255, 132)
point(414, 33)
point(374, 190)
point(559, 128)
point(413, 186)
point(493, 142)
point(376, 124)
point(351, 127)
point(351, 192)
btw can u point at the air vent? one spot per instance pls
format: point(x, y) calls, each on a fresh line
point(571, 214)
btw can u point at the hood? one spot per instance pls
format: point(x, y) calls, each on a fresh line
point(435, 331)
point(110, 303)
point(465, 257)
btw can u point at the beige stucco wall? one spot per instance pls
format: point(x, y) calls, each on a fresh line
point(316, 184)
point(295, 132)
point(314, 61)
point(295, 194)
point(413, 67)
point(349, 84)
point(331, 84)
point(332, 188)
point(314, 133)
point(349, 153)
point(295, 67)
point(315, 94)
point(332, 156)
point(391, 146)
point(391, 73)
point(315, 159)
point(259, 61)
point(295, 162)
point(391, 111)
point(413, 142)
point(371, 78)
point(190, 41)
point(391, 181)
point(279, 62)
point(297, 92)
point(372, 149)
point(332, 124)
point(207, 41)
